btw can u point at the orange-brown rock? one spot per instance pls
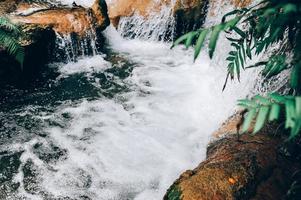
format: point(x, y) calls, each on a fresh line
point(241, 3)
point(126, 8)
point(62, 19)
point(235, 3)
point(248, 168)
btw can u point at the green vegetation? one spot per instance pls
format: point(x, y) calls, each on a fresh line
point(268, 23)
point(9, 35)
point(173, 193)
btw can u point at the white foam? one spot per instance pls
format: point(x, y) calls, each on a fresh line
point(135, 148)
point(135, 145)
point(86, 65)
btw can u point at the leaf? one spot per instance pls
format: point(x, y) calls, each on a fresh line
point(233, 39)
point(290, 8)
point(248, 120)
point(213, 39)
point(232, 53)
point(180, 40)
point(189, 39)
point(261, 119)
point(230, 58)
point(248, 51)
point(240, 32)
point(232, 23)
point(12, 46)
point(237, 69)
point(277, 98)
point(246, 103)
point(235, 45)
point(275, 112)
point(261, 100)
point(234, 12)
point(290, 113)
point(297, 125)
point(257, 65)
point(5, 24)
point(231, 70)
point(295, 76)
point(241, 58)
point(200, 43)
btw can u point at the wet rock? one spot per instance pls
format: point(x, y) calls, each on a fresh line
point(189, 15)
point(250, 167)
point(62, 19)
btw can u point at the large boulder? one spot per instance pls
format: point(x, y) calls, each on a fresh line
point(249, 167)
point(62, 19)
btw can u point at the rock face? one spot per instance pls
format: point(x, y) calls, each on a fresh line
point(189, 15)
point(126, 8)
point(63, 20)
point(249, 168)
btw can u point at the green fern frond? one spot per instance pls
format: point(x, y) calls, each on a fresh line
point(199, 37)
point(265, 24)
point(6, 25)
point(275, 65)
point(9, 34)
point(237, 58)
point(264, 109)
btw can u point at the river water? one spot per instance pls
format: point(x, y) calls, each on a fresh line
point(119, 125)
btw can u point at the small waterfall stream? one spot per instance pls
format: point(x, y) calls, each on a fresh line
point(160, 27)
point(70, 47)
point(119, 124)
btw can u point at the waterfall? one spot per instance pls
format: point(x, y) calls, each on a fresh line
point(70, 47)
point(158, 25)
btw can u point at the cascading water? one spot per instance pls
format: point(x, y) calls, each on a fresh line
point(120, 125)
point(71, 47)
point(160, 27)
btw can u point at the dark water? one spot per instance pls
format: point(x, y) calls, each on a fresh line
point(22, 108)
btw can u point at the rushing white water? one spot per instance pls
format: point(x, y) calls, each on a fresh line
point(134, 145)
point(74, 48)
point(159, 28)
